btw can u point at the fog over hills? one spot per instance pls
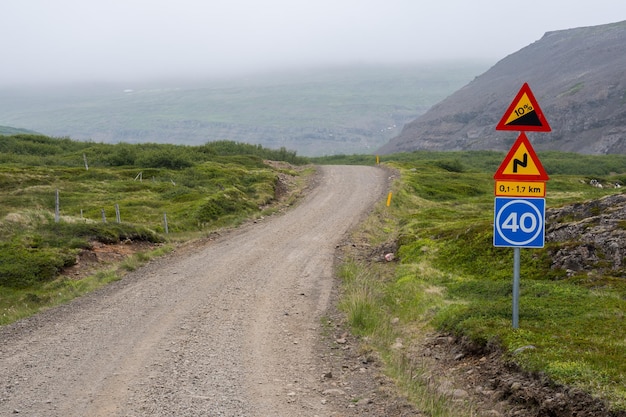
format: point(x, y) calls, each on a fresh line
point(578, 77)
point(324, 111)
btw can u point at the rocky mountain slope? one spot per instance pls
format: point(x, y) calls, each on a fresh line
point(578, 77)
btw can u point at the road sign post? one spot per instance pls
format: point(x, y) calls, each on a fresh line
point(516, 279)
point(519, 207)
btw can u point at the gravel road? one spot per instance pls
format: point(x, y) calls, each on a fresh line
point(228, 328)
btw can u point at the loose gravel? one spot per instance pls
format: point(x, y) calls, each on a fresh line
point(226, 328)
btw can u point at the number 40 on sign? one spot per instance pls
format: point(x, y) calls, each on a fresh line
point(519, 222)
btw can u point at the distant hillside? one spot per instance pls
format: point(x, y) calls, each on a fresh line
point(7, 131)
point(578, 77)
point(316, 112)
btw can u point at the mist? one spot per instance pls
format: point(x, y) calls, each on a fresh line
point(72, 41)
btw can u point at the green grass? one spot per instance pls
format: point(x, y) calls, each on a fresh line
point(199, 189)
point(196, 186)
point(18, 303)
point(450, 278)
point(371, 300)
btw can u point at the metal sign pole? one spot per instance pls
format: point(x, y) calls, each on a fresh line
point(516, 268)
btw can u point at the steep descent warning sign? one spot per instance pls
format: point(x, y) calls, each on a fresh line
point(521, 163)
point(524, 114)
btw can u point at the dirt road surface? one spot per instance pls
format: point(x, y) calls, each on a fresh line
point(225, 329)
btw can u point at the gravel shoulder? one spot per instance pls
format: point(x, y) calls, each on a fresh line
point(230, 327)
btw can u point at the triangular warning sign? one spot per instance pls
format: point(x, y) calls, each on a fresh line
point(521, 163)
point(524, 114)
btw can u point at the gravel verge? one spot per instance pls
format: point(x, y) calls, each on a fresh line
point(230, 327)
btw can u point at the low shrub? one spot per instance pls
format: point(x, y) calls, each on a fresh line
point(22, 267)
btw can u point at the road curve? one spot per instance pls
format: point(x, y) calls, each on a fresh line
point(227, 329)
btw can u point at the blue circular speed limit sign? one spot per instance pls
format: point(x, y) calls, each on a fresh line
point(519, 222)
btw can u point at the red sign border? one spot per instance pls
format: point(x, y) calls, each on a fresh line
point(545, 127)
point(521, 139)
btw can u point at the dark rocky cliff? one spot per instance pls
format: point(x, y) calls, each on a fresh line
point(578, 77)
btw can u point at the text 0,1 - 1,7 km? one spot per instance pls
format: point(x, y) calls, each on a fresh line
point(520, 188)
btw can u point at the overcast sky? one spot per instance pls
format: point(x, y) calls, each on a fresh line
point(124, 40)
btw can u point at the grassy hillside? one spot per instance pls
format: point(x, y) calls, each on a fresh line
point(323, 112)
point(449, 276)
point(197, 188)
